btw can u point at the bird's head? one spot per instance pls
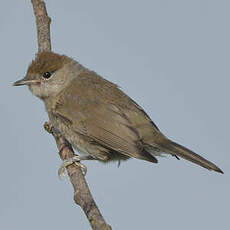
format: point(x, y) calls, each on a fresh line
point(48, 74)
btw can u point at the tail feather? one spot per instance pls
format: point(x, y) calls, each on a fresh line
point(173, 148)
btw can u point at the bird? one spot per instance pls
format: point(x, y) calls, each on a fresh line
point(96, 117)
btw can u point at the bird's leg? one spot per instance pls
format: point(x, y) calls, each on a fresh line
point(73, 160)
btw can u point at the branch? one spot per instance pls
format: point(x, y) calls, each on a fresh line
point(82, 195)
point(43, 25)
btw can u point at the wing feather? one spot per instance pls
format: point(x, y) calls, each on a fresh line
point(92, 108)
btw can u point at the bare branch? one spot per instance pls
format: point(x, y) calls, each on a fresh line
point(43, 25)
point(82, 195)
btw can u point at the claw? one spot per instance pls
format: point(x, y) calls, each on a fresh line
point(176, 156)
point(74, 160)
point(48, 127)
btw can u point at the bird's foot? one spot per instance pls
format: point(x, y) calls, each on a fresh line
point(73, 160)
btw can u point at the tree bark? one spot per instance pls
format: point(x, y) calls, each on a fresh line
point(82, 195)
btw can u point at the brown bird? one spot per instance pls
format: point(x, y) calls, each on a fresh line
point(95, 116)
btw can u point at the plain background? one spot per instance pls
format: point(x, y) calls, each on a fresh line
point(172, 57)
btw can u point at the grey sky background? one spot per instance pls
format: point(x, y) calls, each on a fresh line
point(172, 57)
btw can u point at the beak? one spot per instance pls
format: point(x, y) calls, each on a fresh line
point(26, 82)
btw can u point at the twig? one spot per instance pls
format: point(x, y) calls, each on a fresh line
point(43, 25)
point(82, 195)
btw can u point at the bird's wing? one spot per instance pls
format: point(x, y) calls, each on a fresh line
point(103, 123)
point(101, 120)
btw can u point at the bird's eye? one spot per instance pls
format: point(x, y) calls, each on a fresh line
point(47, 75)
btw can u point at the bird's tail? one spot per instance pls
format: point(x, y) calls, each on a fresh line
point(170, 147)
